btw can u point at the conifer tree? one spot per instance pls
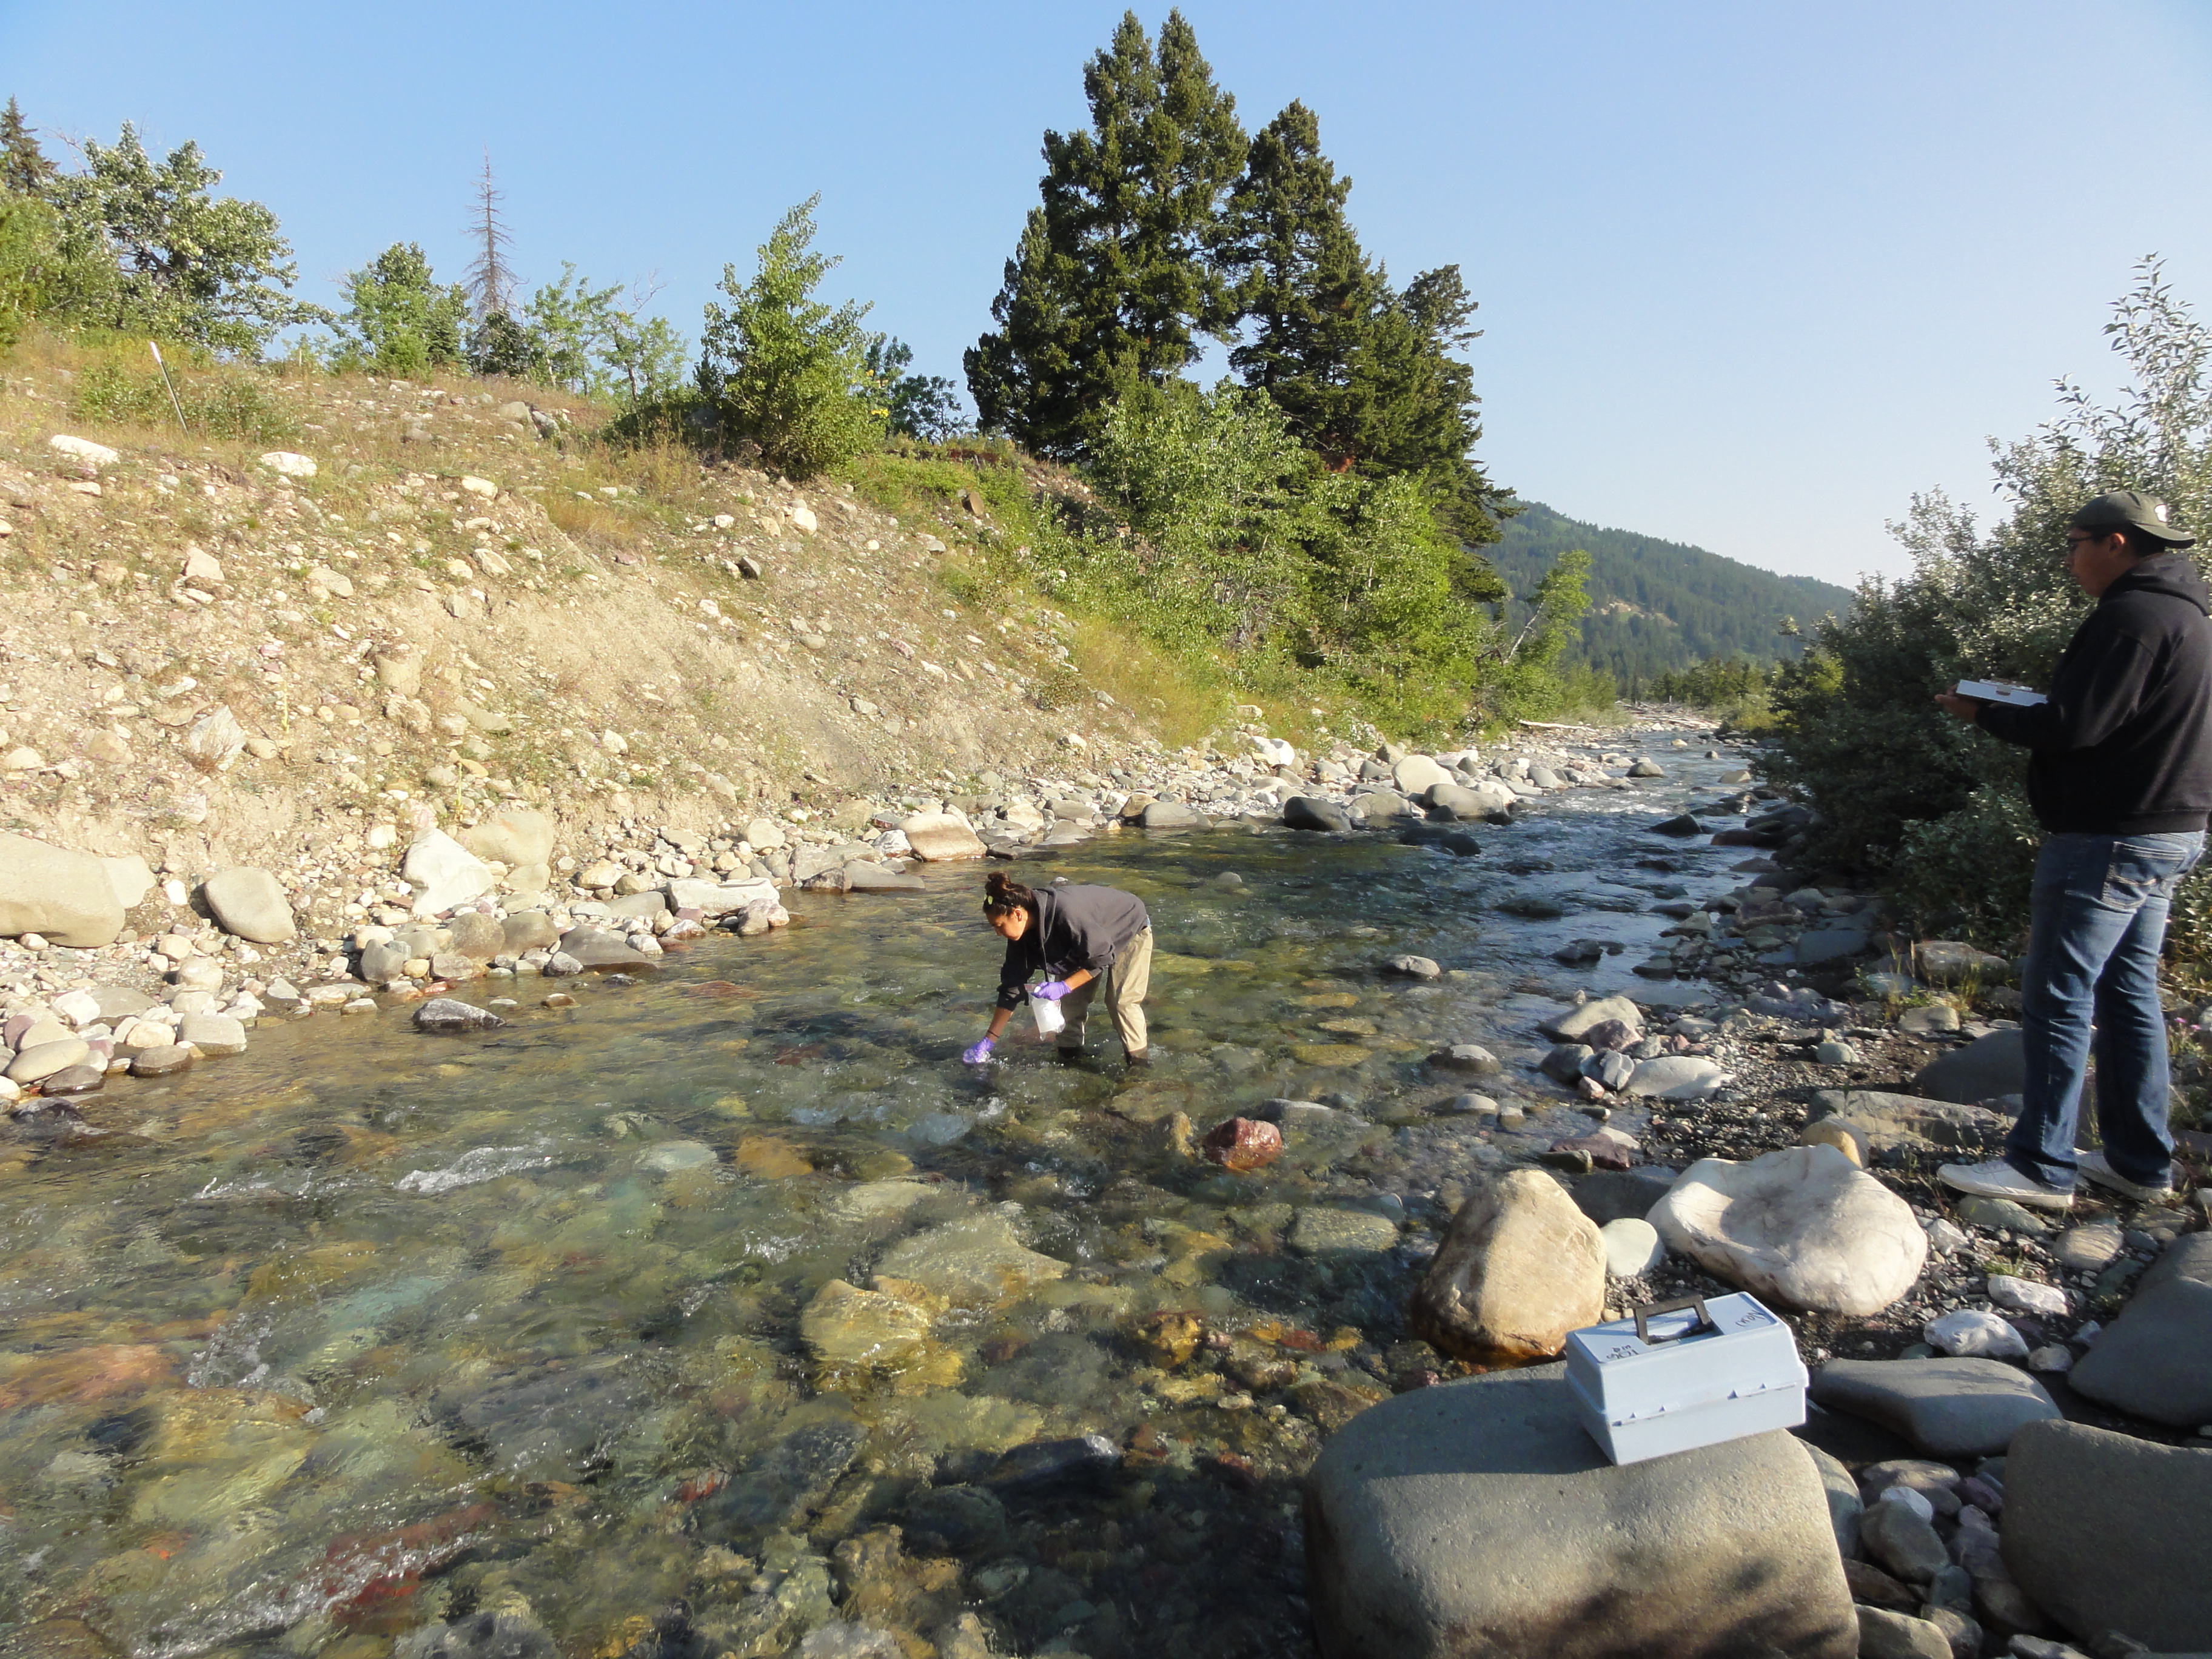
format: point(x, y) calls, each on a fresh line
point(491, 279)
point(1303, 288)
point(1115, 275)
point(24, 168)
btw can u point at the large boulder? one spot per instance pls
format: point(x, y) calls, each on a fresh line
point(68, 897)
point(250, 905)
point(1169, 815)
point(1378, 808)
point(1478, 1518)
point(1609, 1195)
point(1487, 799)
point(1985, 1069)
point(1519, 1268)
point(1570, 1026)
point(1308, 812)
point(132, 877)
point(716, 898)
point(443, 873)
point(1417, 775)
point(599, 950)
point(1949, 1409)
point(2111, 1533)
point(1896, 1124)
point(1804, 1226)
point(938, 836)
point(477, 936)
point(2155, 1359)
point(515, 837)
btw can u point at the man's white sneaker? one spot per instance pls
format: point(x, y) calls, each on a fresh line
point(2095, 1167)
point(1998, 1179)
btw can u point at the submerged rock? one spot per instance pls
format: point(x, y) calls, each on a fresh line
point(1242, 1144)
point(448, 1014)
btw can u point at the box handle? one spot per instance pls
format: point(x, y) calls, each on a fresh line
point(1644, 1315)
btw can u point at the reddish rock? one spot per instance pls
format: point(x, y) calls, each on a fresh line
point(1611, 1034)
point(1604, 1152)
point(1240, 1144)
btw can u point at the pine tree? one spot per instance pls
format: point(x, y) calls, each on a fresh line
point(1114, 276)
point(24, 168)
point(1303, 286)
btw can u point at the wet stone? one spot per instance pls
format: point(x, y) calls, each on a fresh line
point(448, 1014)
point(1321, 1230)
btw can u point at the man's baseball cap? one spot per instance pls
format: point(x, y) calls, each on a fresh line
point(2134, 511)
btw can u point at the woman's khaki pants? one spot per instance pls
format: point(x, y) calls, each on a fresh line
point(1126, 982)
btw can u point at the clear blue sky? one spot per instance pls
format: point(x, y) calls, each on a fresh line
point(1751, 274)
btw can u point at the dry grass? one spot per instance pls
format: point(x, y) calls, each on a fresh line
point(1164, 692)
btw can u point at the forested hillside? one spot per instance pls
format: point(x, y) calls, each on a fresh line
point(1656, 606)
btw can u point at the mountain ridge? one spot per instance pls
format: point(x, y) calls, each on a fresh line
point(1657, 605)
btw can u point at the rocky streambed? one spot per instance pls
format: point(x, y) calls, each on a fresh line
point(718, 1310)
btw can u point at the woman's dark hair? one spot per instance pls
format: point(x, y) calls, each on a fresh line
point(1001, 894)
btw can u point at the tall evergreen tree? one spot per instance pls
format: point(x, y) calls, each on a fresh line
point(1303, 288)
point(1115, 275)
point(1367, 377)
point(24, 168)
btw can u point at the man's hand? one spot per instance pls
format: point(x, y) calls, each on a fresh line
point(1968, 709)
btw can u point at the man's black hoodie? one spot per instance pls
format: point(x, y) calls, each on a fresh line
point(2124, 745)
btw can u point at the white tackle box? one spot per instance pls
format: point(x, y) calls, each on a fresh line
point(1682, 1374)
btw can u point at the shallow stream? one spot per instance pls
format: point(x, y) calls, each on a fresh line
point(688, 1293)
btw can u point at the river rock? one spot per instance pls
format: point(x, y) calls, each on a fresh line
point(1519, 1268)
point(1323, 1231)
point(1471, 1057)
point(1378, 808)
point(940, 836)
point(1631, 1247)
point(527, 930)
point(1486, 800)
point(1892, 1124)
point(716, 898)
point(515, 837)
point(1949, 1409)
point(1608, 1195)
point(1169, 815)
point(86, 1079)
point(41, 1060)
point(1564, 1065)
point(1676, 1077)
point(1570, 1026)
point(847, 1325)
point(164, 1061)
point(1417, 775)
point(1242, 1144)
point(213, 1034)
point(477, 936)
point(449, 1014)
point(2111, 1533)
point(2085, 1248)
point(1845, 1505)
point(2155, 1359)
point(2189, 1256)
point(385, 962)
point(2027, 1295)
point(1968, 1332)
point(1309, 812)
point(1949, 961)
point(1414, 968)
point(486, 1635)
point(596, 950)
point(974, 1262)
point(1983, 1070)
point(443, 873)
point(1804, 1226)
point(66, 897)
point(1887, 1635)
point(862, 876)
point(1899, 1538)
point(1478, 1518)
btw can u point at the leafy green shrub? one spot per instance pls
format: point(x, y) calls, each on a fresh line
point(219, 403)
point(1905, 791)
point(787, 371)
point(398, 320)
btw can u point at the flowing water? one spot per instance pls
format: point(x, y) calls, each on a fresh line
point(688, 1292)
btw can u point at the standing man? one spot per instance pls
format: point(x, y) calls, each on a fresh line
point(2120, 778)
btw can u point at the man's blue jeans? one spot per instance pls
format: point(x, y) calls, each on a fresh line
point(2100, 918)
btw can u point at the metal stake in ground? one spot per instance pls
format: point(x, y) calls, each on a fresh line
point(154, 346)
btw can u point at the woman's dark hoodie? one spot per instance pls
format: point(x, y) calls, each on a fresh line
point(2123, 747)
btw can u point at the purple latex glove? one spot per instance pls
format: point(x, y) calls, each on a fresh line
point(978, 1054)
point(1052, 990)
